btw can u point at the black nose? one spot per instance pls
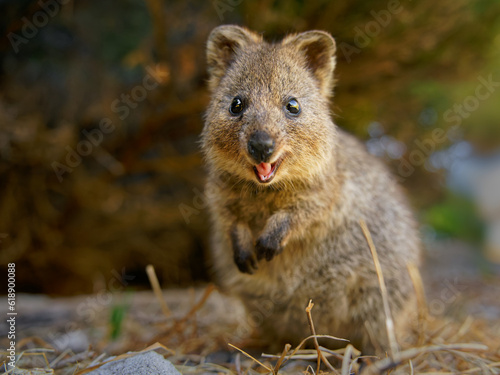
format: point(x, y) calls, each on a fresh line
point(260, 146)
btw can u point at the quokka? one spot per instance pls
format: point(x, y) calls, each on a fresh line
point(287, 189)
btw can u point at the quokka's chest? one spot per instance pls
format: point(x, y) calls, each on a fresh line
point(256, 208)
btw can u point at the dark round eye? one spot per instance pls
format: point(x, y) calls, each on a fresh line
point(236, 106)
point(293, 106)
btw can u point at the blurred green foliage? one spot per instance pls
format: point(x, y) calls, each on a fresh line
point(456, 216)
point(118, 312)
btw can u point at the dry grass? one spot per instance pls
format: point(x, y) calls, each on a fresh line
point(441, 345)
point(447, 347)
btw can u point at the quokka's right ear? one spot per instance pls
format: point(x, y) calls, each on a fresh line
point(223, 44)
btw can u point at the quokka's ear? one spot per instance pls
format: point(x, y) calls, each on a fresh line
point(223, 44)
point(318, 47)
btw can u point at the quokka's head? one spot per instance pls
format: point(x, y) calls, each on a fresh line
point(269, 119)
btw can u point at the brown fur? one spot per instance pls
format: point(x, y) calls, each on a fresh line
point(298, 237)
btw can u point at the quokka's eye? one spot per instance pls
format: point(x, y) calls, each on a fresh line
point(293, 107)
point(236, 106)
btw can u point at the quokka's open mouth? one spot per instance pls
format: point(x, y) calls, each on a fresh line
point(265, 172)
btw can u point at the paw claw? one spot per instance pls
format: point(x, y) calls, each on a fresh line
point(267, 249)
point(246, 263)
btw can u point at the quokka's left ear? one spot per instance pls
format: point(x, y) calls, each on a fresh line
point(319, 48)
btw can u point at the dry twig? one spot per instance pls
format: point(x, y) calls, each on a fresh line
point(206, 293)
point(155, 284)
point(391, 362)
point(282, 358)
point(313, 331)
point(252, 358)
point(393, 346)
point(421, 301)
point(346, 362)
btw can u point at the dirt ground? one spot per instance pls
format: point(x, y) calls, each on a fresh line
point(200, 323)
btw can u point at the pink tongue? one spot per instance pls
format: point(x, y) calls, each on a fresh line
point(264, 169)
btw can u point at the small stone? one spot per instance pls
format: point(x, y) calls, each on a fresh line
point(149, 363)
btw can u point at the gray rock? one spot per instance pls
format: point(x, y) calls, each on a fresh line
point(77, 341)
point(149, 363)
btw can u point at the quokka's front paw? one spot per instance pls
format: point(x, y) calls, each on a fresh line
point(267, 247)
point(273, 238)
point(245, 261)
point(243, 255)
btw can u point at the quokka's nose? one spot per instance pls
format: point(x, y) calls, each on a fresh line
point(261, 146)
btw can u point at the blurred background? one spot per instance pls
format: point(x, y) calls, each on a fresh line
point(101, 107)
